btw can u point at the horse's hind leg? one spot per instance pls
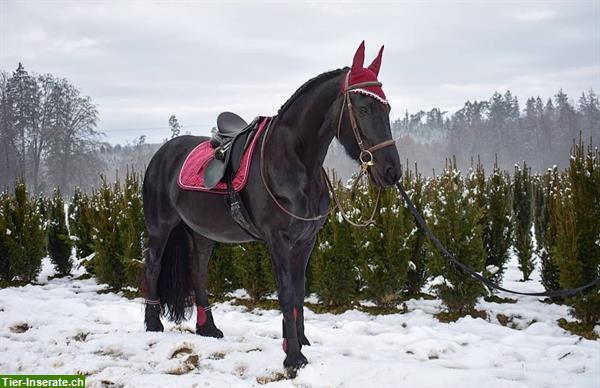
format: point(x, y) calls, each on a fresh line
point(205, 324)
point(152, 261)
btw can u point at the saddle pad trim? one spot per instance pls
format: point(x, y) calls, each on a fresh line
point(195, 182)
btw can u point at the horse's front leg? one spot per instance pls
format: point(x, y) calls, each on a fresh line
point(299, 264)
point(285, 264)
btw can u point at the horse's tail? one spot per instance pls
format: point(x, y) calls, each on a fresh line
point(175, 285)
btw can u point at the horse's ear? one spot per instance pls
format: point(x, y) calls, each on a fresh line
point(376, 64)
point(359, 57)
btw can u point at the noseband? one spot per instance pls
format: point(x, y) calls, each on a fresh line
point(365, 156)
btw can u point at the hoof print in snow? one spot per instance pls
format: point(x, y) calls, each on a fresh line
point(182, 329)
point(192, 361)
point(80, 337)
point(111, 351)
point(107, 383)
point(20, 328)
point(516, 322)
point(217, 356)
point(188, 365)
point(271, 378)
point(240, 369)
point(181, 350)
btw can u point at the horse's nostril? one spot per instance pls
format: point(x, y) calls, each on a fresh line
point(391, 174)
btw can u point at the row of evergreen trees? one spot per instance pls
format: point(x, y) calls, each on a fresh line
point(567, 229)
point(480, 218)
point(31, 228)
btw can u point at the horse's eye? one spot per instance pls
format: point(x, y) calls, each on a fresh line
point(363, 110)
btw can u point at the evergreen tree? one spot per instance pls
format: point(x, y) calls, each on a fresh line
point(253, 270)
point(24, 239)
point(383, 248)
point(132, 229)
point(523, 220)
point(547, 188)
point(334, 260)
point(417, 268)
point(497, 226)
point(5, 232)
point(108, 245)
point(22, 99)
point(455, 219)
point(577, 249)
point(175, 126)
point(81, 221)
point(221, 269)
point(59, 242)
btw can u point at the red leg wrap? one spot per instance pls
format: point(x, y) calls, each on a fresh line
point(201, 316)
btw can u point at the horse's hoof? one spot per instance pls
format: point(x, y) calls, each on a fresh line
point(293, 362)
point(209, 331)
point(154, 326)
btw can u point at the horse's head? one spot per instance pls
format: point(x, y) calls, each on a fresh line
point(364, 122)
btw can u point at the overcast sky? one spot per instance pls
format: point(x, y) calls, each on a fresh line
point(143, 61)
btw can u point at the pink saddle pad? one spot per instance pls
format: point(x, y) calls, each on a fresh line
point(191, 176)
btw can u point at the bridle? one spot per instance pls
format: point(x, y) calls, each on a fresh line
point(366, 154)
point(365, 157)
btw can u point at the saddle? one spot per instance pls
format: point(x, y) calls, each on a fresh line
point(231, 139)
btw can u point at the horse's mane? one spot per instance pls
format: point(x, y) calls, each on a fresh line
point(307, 85)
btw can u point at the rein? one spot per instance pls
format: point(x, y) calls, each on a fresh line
point(365, 157)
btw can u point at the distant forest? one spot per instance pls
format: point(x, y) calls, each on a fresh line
point(50, 136)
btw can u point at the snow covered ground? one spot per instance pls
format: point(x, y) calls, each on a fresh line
point(65, 326)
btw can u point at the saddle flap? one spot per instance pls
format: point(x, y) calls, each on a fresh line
point(215, 171)
point(228, 123)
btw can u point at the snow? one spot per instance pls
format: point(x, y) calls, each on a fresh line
point(75, 329)
point(492, 269)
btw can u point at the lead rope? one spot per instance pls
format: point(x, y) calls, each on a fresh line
point(471, 271)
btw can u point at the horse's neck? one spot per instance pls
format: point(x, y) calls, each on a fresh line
point(310, 130)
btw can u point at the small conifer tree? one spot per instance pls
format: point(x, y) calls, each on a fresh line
point(523, 219)
point(334, 267)
point(59, 243)
point(456, 222)
point(107, 265)
point(221, 269)
point(383, 248)
point(417, 268)
point(253, 269)
point(497, 225)
point(577, 249)
point(4, 239)
point(132, 229)
point(81, 223)
point(546, 199)
point(24, 236)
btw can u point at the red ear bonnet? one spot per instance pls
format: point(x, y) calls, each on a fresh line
point(360, 74)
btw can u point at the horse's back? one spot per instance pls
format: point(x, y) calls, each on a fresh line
point(160, 180)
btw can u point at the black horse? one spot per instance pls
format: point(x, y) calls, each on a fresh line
point(183, 225)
